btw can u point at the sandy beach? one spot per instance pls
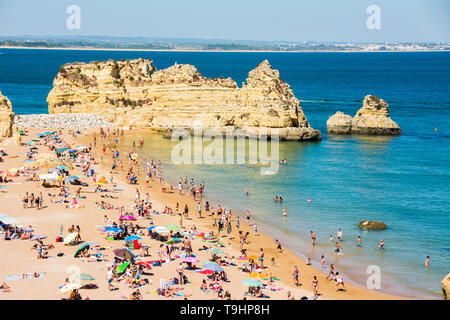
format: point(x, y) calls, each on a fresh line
point(19, 257)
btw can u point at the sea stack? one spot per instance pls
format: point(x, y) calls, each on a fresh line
point(7, 127)
point(134, 93)
point(372, 119)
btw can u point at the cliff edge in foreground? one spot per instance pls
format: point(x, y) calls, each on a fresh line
point(373, 119)
point(7, 127)
point(135, 93)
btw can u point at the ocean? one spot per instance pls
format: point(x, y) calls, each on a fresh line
point(403, 181)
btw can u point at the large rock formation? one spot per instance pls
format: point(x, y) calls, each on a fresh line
point(7, 127)
point(445, 283)
point(134, 93)
point(373, 119)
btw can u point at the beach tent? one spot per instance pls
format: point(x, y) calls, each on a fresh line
point(100, 180)
point(70, 238)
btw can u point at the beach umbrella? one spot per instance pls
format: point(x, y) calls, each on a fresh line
point(31, 143)
point(173, 227)
point(71, 150)
point(61, 167)
point(124, 254)
point(131, 238)
point(81, 147)
point(61, 150)
point(100, 180)
point(257, 275)
point(112, 230)
point(38, 237)
point(160, 229)
point(72, 178)
point(242, 258)
point(213, 267)
point(8, 220)
point(84, 245)
point(48, 133)
point(210, 238)
point(1, 187)
point(147, 264)
point(252, 257)
point(191, 260)
point(70, 237)
point(69, 287)
point(217, 251)
point(206, 271)
point(151, 228)
point(173, 241)
point(252, 282)
point(56, 138)
point(127, 217)
point(85, 277)
point(40, 134)
point(123, 267)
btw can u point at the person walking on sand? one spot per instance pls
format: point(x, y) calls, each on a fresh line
point(109, 278)
point(279, 249)
point(295, 276)
point(255, 229)
point(331, 272)
point(339, 281)
point(315, 285)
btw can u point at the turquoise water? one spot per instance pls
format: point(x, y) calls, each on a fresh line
point(403, 181)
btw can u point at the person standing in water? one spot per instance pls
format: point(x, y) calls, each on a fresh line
point(313, 238)
point(427, 262)
point(381, 245)
point(358, 241)
point(284, 212)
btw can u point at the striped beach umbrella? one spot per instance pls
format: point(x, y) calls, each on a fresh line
point(85, 277)
point(210, 238)
point(173, 227)
point(213, 267)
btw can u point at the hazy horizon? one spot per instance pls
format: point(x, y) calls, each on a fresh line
point(284, 21)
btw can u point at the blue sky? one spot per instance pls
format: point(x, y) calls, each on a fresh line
point(295, 20)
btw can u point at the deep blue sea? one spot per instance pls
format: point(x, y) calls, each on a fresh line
point(403, 181)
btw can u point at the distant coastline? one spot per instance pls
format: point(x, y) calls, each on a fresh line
point(215, 50)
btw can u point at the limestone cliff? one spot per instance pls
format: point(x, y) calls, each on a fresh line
point(135, 93)
point(372, 118)
point(445, 283)
point(7, 127)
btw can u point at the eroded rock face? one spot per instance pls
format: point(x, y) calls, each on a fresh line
point(372, 119)
point(7, 127)
point(445, 283)
point(134, 93)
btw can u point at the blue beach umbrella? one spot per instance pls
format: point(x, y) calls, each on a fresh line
point(85, 277)
point(47, 133)
point(151, 228)
point(40, 134)
point(131, 238)
point(72, 178)
point(61, 167)
point(112, 230)
point(213, 267)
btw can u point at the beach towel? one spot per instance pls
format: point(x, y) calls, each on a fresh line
point(28, 276)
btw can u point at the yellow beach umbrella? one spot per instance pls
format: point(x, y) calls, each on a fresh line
point(257, 275)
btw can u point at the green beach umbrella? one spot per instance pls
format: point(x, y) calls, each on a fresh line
point(84, 245)
point(252, 282)
point(60, 150)
point(173, 241)
point(123, 267)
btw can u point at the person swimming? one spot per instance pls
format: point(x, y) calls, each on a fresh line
point(246, 191)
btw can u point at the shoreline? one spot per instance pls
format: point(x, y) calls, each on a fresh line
point(265, 238)
point(217, 51)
